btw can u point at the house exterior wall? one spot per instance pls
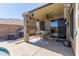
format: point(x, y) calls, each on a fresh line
point(8, 30)
point(75, 40)
point(77, 28)
point(68, 9)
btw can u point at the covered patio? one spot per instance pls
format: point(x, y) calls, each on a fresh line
point(37, 25)
point(39, 19)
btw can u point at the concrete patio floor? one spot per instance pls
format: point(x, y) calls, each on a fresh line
point(37, 47)
point(51, 47)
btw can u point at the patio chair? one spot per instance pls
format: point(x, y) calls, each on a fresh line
point(45, 35)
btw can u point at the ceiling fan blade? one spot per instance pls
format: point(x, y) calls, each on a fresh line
point(32, 14)
point(47, 16)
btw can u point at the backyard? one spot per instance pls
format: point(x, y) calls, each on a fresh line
point(36, 47)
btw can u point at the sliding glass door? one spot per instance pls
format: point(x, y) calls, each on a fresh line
point(58, 28)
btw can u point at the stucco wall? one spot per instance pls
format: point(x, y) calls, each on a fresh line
point(8, 30)
point(77, 27)
point(75, 40)
point(47, 25)
point(77, 44)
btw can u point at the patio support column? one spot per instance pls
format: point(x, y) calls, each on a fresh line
point(38, 25)
point(26, 29)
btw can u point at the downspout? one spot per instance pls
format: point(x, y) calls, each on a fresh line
point(66, 22)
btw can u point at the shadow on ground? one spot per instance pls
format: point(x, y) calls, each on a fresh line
point(52, 45)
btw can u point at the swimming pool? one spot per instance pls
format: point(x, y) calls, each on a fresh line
point(4, 52)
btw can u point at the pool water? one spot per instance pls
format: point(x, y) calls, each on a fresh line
point(4, 52)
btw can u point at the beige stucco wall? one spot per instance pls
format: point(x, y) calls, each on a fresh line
point(77, 28)
point(77, 43)
point(8, 30)
point(47, 25)
point(75, 40)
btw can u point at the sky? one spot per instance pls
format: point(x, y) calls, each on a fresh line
point(15, 10)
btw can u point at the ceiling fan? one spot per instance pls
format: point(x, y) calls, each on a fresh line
point(47, 16)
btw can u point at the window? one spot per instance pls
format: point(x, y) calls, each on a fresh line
point(61, 23)
point(42, 25)
point(58, 28)
point(53, 23)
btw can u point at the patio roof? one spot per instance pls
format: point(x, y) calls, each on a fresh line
point(54, 10)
